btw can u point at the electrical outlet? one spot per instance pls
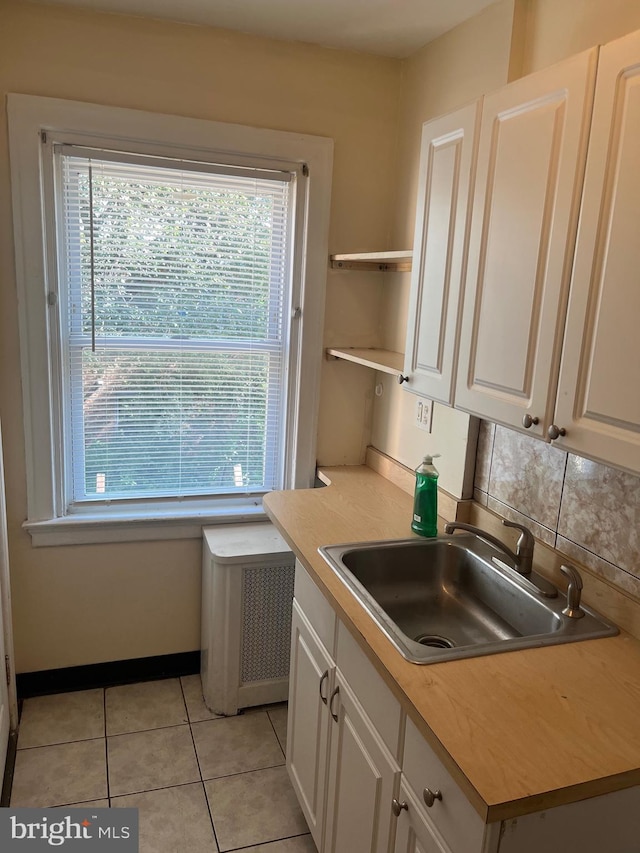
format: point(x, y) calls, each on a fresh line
point(424, 413)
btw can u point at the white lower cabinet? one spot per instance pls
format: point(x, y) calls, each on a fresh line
point(362, 781)
point(343, 772)
point(310, 682)
point(348, 739)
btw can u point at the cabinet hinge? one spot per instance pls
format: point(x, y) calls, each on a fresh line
point(7, 669)
point(305, 170)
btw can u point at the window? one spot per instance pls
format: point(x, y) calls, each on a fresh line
point(165, 334)
point(172, 286)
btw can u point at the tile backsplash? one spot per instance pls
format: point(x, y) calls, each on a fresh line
point(586, 510)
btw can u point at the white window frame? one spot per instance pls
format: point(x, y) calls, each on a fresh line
point(49, 520)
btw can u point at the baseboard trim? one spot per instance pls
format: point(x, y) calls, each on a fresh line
point(106, 674)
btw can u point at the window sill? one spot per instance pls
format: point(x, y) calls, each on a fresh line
point(91, 528)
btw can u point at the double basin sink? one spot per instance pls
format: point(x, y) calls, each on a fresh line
point(454, 597)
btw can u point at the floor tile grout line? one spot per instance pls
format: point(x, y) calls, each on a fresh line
point(99, 737)
point(276, 736)
point(59, 743)
point(205, 719)
point(154, 729)
point(154, 790)
point(243, 772)
point(63, 805)
point(106, 745)
point(204, 790)
point(184, 699)
point(264, 843)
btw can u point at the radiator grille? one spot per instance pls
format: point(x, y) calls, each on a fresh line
point(267, 593)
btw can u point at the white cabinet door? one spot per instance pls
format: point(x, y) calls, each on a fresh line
point(447, 161)
point(310, 683)
point(362, 781)
point(599, 390)
point(531, 157)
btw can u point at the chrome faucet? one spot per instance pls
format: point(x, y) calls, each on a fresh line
point(523, 556)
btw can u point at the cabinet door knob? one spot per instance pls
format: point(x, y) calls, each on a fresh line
point(325, 675)
point(555, 432)
point(528, 421)
point(333, 696)
point(430, 797)
point(397, 807)
point(402, 379)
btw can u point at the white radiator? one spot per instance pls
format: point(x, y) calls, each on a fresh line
point(247, 591)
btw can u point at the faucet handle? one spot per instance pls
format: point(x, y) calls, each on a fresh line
point(526, 541)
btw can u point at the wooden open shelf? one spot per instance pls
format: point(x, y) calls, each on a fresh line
point(380, 261)
point(379, 359)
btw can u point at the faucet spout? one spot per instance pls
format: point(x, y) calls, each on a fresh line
point(522, 559)
point(523, 556)
point(482, 534)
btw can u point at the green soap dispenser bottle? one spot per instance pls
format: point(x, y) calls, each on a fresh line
point(425, 501)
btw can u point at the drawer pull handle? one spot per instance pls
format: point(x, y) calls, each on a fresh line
point(333, 696)
point(325, 675)
point(397, 807)
point(430, 797)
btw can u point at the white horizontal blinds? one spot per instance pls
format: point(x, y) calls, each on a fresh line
point(184, 391)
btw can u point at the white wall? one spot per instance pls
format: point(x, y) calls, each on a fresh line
point(452, 70)
point(85, 604)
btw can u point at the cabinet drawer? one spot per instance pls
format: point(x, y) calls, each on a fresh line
point(379, 703)
point(415, 832)
point(454, 817)
point(315, 607)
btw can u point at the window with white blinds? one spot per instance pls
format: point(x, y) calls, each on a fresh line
point(174, 310)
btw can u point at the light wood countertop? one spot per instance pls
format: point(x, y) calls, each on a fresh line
point(519, 731)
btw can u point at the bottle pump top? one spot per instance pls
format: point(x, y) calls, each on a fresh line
point(428, 460)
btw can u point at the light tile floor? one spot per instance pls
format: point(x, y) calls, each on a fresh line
point(202, 783)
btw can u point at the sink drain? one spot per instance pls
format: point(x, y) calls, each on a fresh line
point(435, 641)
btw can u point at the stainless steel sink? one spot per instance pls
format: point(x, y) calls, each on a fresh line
point(454, 597)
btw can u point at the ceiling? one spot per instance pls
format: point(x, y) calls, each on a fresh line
point(394, 28)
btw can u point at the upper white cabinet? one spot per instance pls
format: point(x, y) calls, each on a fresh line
point(447, 160)
point(531, 156)
point(598, 400)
